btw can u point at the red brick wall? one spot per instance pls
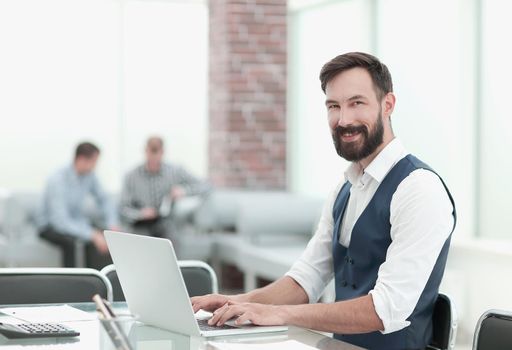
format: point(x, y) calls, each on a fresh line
point(247, 93)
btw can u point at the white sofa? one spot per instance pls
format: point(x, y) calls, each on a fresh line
point(261, 232)
point(21, 243)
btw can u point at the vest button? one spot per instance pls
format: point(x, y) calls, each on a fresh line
point(354, 286)
point(344, 283)
point(346, 258)
point(351, 261)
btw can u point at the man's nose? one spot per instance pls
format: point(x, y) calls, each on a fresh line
point(343, 118)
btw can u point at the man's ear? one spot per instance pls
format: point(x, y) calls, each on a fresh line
point(388, 104)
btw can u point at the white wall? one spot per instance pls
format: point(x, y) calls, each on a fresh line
point(433, 72)
point(110, 71)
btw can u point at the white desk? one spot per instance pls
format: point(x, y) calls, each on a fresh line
point(151, 338)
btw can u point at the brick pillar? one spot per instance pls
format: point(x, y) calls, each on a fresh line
point(247, 93)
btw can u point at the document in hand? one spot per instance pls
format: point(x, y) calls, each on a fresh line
point(283, 345)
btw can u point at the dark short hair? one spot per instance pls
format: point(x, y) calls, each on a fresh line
point(378, 71)
point(87, 150)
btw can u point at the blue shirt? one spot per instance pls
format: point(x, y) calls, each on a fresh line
point(64, 199)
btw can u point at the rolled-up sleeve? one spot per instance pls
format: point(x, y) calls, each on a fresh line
point(314, 269)
point(192, 185)
point(421, 221)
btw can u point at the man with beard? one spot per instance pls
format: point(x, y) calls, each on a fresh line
point(383, 236)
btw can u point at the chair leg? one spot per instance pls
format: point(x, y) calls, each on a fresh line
point(250, 282)
point(79, 253)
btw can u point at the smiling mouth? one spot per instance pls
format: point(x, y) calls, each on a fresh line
point(349, 136)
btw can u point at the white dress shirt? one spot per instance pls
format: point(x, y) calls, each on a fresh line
point(421, 220)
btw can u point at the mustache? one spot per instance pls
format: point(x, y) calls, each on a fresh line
point(340, 130)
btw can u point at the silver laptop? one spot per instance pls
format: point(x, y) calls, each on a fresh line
point(154, 288)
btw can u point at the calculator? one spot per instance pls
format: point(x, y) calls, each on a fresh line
point(36, 330)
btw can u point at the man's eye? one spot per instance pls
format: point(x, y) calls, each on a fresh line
point(332, 106)
point(357, 103)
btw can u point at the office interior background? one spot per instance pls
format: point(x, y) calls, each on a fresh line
point(117, 71)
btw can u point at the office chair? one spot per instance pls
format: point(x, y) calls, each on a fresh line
point(493, 331)
point(110, 273)
point(52, 285)
point(199, 278)
point(444, 322)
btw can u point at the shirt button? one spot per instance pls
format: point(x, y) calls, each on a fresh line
point(354, 286)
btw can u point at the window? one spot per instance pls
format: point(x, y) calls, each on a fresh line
point(317, 34)
point(110, 71)
point(432, 65)
point(433, 68)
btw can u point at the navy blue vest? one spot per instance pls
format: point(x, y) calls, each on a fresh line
point(356, 267)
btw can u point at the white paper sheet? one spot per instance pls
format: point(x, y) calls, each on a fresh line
point(40, 314)
point(284, 345)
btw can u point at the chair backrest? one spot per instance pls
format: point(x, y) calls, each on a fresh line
point(110, 272)
point(493, 331)
point(52, 285)
point(199, 278)
point(444, 322)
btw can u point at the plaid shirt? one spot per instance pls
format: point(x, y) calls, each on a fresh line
point(143, 189)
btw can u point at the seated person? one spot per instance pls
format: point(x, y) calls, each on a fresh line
point(383, 237)
point(150, 189)
point(62, 218)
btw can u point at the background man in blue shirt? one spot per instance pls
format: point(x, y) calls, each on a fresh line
point(64, 218)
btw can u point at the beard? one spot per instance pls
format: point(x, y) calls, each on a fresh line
point(358, 150)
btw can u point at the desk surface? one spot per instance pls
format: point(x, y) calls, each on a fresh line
point(151, 338)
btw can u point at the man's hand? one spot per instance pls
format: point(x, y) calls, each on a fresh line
point(271, 305)
point(258, 314)
point(148, 213)
point(210, 302)
point(177, 192)
point(99, 242)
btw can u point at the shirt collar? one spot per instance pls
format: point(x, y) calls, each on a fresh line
point(76, 176)
point(151, 173)
point(379, 167)
point(72, 172)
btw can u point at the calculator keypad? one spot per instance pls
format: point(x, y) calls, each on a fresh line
point(43, 328)
point(36, 330)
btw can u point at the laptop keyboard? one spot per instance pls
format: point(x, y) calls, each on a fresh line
point(204, 326)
